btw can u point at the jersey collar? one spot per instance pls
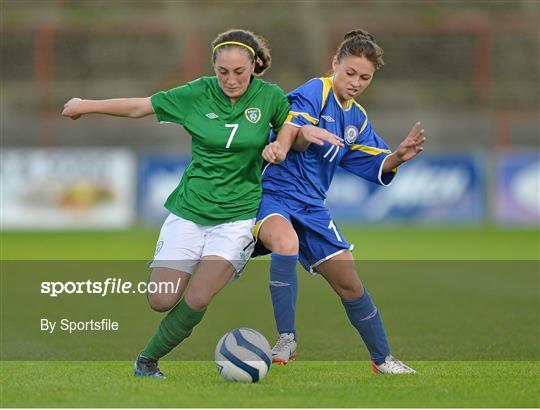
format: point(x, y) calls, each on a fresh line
point(348, 104)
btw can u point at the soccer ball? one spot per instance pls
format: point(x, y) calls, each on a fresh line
point(243, 355)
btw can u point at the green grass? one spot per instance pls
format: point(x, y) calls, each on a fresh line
point(300, 384)
point(408, 243)
point(470, 328)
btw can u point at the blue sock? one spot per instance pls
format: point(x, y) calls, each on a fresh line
point(283, 289)
point(365, 317)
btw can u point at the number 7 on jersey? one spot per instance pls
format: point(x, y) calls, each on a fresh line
point(234, 129)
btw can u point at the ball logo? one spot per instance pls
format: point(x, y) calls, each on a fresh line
point(351, 133)
point(253, 115)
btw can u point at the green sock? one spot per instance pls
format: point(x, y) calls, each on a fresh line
point(173, 329)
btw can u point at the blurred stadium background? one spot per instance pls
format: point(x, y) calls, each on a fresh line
point(469, 70)
point(460, 290)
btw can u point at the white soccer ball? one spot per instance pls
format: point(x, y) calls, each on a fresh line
point(243, 355)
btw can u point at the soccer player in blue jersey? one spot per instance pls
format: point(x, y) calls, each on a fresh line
point(293, 222)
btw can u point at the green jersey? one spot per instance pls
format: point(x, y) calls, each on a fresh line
point(223, 180)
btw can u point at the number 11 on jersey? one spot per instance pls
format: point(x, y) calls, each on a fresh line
point(234, 129)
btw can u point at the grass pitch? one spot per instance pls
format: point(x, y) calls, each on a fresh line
point(375, 243)
point(438, 314)
point(299, 384)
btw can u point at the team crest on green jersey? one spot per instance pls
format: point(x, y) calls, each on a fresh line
point(253, 115)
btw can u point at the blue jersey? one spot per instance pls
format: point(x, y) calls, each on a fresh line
point(307, 175)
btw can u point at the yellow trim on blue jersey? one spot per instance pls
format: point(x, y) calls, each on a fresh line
point(359, 106)
point(365, 113)
point(369, 150)
point(301, 114)
point(363, 126)
point(327, 86)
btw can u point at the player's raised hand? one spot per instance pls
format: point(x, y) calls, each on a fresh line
point(72, 108)
point(412, 145)
point(274, 153)
point(318, 135)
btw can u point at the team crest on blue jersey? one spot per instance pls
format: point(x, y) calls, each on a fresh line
point(253, 115)
point(351, 133)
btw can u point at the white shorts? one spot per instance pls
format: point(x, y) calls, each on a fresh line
point(182, 243)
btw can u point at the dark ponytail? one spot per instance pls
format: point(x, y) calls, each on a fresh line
point(360, 43)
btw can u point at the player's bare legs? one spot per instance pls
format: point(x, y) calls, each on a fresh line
point(212, 275)
point(340, 273)
point(163, 302)
point(278, 236)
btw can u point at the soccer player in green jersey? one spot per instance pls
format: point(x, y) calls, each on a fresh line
point(213, 209)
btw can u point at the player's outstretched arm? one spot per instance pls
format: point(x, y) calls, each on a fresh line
point(120, 107)
point(311, 134)
point(409, 148)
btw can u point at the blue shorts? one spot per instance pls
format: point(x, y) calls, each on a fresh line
point(319, 237)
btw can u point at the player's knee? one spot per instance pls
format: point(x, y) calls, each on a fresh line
point(351, 291)
point(160, 303)
point(285, 245)
point(198, 300)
